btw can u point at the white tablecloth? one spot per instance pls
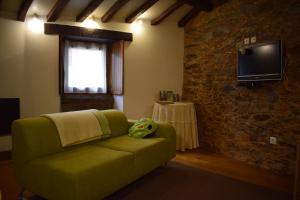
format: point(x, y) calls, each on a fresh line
point(182, 116)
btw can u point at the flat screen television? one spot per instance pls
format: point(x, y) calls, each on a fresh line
point(260, 62)
point(9, 111)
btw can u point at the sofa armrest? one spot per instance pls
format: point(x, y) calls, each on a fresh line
point(167, 131)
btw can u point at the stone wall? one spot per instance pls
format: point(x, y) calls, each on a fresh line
point(234, 120)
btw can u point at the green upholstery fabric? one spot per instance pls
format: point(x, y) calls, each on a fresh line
point(130, 144)
point(88, 172)
point(148, 153)
point(32, 138)
point(37, 136)
point(117, 121)
point(164, 130)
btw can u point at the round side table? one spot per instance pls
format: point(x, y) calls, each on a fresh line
point(182, 116)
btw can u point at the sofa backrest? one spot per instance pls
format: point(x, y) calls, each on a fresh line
point(118, 122)
point(32, 138)
point(36, 137)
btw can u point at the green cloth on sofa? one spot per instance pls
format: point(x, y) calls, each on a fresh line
point(104, 124)
point(143, 128)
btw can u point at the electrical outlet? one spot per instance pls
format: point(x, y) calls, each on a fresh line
point(253, 39)
point(247, 40)
point(273, 140)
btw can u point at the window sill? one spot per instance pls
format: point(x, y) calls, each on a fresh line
point(84, 95)
point(83, 101)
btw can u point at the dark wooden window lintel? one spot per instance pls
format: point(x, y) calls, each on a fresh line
point(57, 29)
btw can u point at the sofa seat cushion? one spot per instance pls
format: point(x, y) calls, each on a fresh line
point(88, 172)
point(149, 153)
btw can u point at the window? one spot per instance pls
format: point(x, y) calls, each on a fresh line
point(90, 67)
point(84, 67)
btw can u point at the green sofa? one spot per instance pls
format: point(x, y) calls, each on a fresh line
point(86, 171)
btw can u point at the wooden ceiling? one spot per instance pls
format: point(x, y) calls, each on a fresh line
point(129, 10)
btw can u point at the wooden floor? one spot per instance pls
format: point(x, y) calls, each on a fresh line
point(8, 186)
point(203, 160)
point(219, 164)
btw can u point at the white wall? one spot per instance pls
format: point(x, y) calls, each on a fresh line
point(40, 91)
point(11, 58)
point(29, 67)
point(153, 62)
point(11, 65)
point(28, 70)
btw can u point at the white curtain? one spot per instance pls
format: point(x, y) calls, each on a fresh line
point(85, 67)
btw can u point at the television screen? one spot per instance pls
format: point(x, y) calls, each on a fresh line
point(9, 111)
point(260, 62)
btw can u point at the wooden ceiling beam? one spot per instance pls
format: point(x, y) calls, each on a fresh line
point(23, 10)
point(191, 14)
point(140, 10)
point(167, 12)
point(55, 12)
point(198, 6)
point(113, 10)
point(205, 5)
point(92, 6)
